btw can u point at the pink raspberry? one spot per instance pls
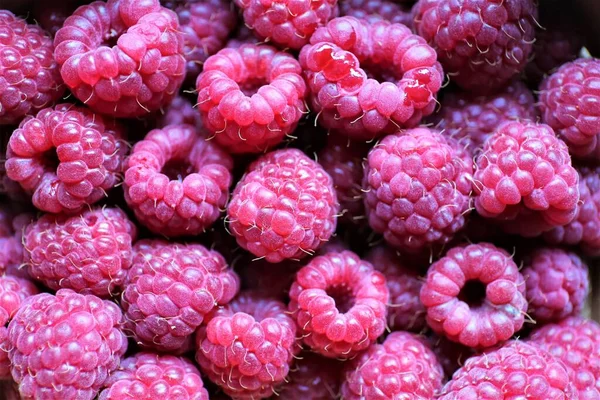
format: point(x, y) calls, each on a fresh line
point(482, 45)
point(122, 57)
point(247, 346)
point(475, 296)
point(377, 10)
point(312, 378)
point(169, 289)
point(180, 112)
point(176, 181)
point(344, 55)
point(12, 225)
point(64, 346)
point(340, 304)
point(29, 75)
point(403, 367)
point(285, 207)
point(67, 157)
point(251, 97)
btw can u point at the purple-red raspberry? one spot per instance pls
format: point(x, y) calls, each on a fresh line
point(263, 277)
point(343, 58)
point(243, 35)
point(247, 346)
point(12, 225)
point(284, 207)
point(481, 44)
point(180, 112)
point(340, 304)
point(88, 253)
point(312, 377)
point(377, 10)
point(29, 75)
point(403, 367)
point(451, 355)
point(475, 295)
point(176, 181)
point(251, 97)
point(52, 16)
point(169, 289)
point(64, 346)
point(152, 376)
point(66, 157)
point(122, 57)
point(417, 188)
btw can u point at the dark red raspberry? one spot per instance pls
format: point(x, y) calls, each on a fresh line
point(475, 296)
point(244, 35)
point(263, 277)
point(482, 45)
point(64, 346)
point(51, 16)
point(180, 112)
point(340, 304)
point(9, 188)
point(247, 346)
point(451, 355)
point(417, 188)
point(312, 377)
point(285, 207)
point(151, 376)
point(122, 57)
point(403, 367)
point(251, 97)
point(170, 288)
point(12, 225)
point(343, 55)
point(176, 181)
point(67, 157)
point(377, 10)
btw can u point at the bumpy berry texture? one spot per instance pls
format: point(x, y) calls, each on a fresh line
point(417, 188)
point(64, 346)
point(176, 181)
point(12, 224)
point(169, 289)
point(29, 75)
point(88, 253)
point(340, 63)
point(475, 295)
point(9, 188)
point(52, 16)
point(340, 304)
point(377, 10)
point(285, 207)
point(481, 45)
point(251, 97)
point(243, 35)
point(122, 57)
point(403, 367)
point(247, 346)
point(66, 157)
point(312, 377)
point(517, 370)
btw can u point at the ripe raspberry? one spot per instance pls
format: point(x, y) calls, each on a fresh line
point(67, 157)
point(482, 45)
point(176, 181)
point(403, 367)
point(347, 51)
point(122, 57)
point(312, 378)
point(243, 36)
point(51, 16)
point(417, 189)
point(475, 296)
point(12, 224)
point(251, 97)
point(148, 375)
point(170, 288)
point(340, 304)
point(64, 346)
point(377, 10)
point(284, 207)
point(247, 346)
point(180, 112)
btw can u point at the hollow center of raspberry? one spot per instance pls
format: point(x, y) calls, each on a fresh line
point(50, 160)
point(473, 293)
point(177, 170)
point(343, 297)
point(111, 37)
point(251, 85)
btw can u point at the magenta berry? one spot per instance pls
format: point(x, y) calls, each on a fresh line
point(377, 10)
point(312, 377)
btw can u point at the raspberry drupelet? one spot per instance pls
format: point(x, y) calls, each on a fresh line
point(312, 377)
point(340, 304)
point(123, 58)
point(377, 10)
point(12, 225)
point(343, 58)
point(251, 97)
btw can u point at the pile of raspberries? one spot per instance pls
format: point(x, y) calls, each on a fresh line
point(303, 200)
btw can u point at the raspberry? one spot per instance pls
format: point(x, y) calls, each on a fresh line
point(340, 304)
point(515, 371)
point(52, 16)
point(251, 97)
point(417, 189)
point(67, 157)
point(312, 378)
point(11, 227)
point(176, 181)
point(147, 375)
point(482, 45)
point(475, 296)
point(169, 289)
point(88, 253)
point(180, 112)
point(284, 207)
point(122, 57)
point(273, 282)
point(451, 355)
point(247, 346)
point(341, 57)
point(64, 346)
point(243, 36)
point(403, 367)
point(377, 10)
